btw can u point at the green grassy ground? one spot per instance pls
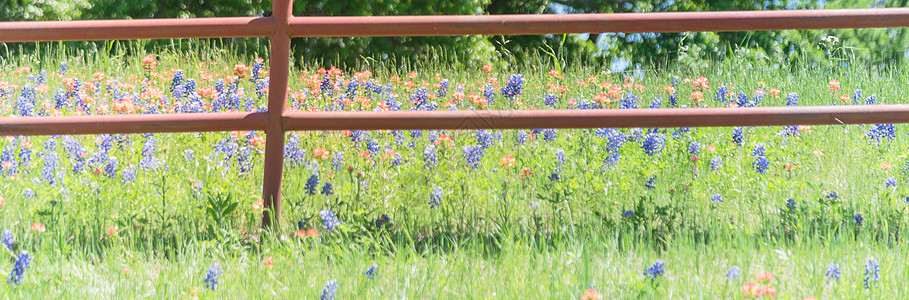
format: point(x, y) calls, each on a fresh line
point(495, 231)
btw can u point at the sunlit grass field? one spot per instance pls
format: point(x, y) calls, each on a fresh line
point(537, 213)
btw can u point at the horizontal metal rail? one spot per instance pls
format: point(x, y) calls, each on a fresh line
point(617, 118)
point(100, 124)
point(40, 31)
point(580, 23)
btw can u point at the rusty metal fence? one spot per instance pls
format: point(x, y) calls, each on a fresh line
point(281, 26)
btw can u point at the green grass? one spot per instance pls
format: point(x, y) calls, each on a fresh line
point(543, 239)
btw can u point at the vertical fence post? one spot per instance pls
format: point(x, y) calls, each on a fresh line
point(279, 68)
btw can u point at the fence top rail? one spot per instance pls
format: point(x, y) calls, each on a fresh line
point(303, 26)
point(608, 22)
point(93, 30)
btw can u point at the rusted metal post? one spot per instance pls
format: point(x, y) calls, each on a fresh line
point(279, 70)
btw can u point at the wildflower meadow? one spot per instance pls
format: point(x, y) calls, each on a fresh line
point(790, 212)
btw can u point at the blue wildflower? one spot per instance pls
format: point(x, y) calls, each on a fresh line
point(489, 93)
point(792, 99)
point(790, 204)
point(891, 182)
point(628, 214)
point(833, 195)
point(694, 148)
point(327, 189)
point(858, 219)
point(629, 102)
point(872, 272)
point(330, 290)
point(211, 279)
point(8, 239)
point(484, 138)
point(371, 272)
point(737, 136)
point(650, 183)
point(514, 86)
point(555, 177)
point(657, 102)
point(717, 198)
point(293, 154)
point(22, 262)
point(656, 270)
point(472, 155)
point(435, 198)
point(833, 272)
point(549, 134)
point(329, 220)
point(733, 274)
point(521, 137)
point(560, 156)
point(653, 144)
point(761, 164)
point(419, 98)
point(550, 100)
point(879, 131)
point(311, 184)
point(337, 162)
point(430, 158)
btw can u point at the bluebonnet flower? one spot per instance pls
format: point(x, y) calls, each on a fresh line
point(833, 195)
point(337, 162)
point(148, 160)
point(879, 131)
point(733, 274)
point(419, 97)
point(128, 174)
point(26, 101)
point(49, 172)
point(721, 94)
point(521, 137)
point(761, 164)
point(311, 184)
point(443, 88)
point(329, 220)
point(628, 214)
point(373, 146)
point(63, 67)
point(790, 204)
point(674, 100)
point(358, 136)
point(680, 132)
point(653, 144)
point(656, 103)
point(858, 219)
point(514, 86)
point(737, 136)
point(293, 154)
point(872, 272)
point(327, 189)
point(630, 101)
point(549, 134)
point(656, 270)
point(352, 87)
point(392, 102)
point(22, 262)
point(891, 182)
point(110, 168)
point(435, 198)
point(8, 239)
point(325, 85)
point(371, 272)
point(489, 93)
point(833, 272)
point(28, 193)
point(484, 138)
point(550, 100)
point(650, 183)
point(211, 279)
point(430, 158)
point(694, 148)
point(399, 160)
point(870, 100)
point(717, 198)
point(560, 156)
point(792, 99)
point(856, 96)
point(555, 177)
point(473, 154)
point(330, 290)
